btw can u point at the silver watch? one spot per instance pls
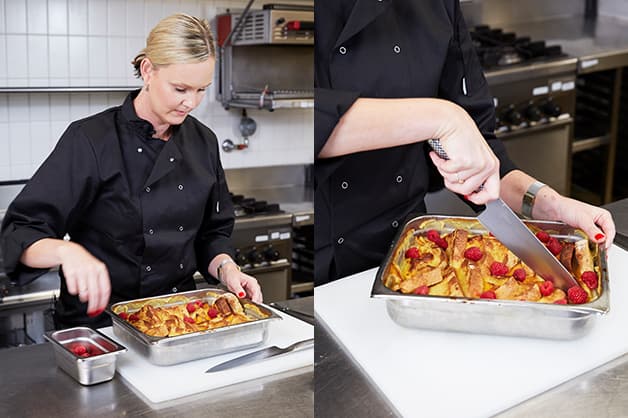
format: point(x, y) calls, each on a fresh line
point(528, 199)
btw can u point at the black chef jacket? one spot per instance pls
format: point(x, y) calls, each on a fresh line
point(153, 212)
point(385, 49)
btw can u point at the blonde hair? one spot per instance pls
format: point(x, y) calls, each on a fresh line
point(177, 39)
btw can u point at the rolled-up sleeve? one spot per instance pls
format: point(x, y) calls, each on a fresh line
point(48, 203)
point(329, 106)
point(214, 235)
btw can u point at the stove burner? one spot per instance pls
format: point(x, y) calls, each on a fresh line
point(248, 206)
point(498, 49)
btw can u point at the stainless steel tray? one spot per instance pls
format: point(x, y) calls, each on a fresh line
point(486, 316)
point(99, 366)
point(165, 351)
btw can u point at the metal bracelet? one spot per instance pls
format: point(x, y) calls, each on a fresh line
point(221, 265)
point(529, 198)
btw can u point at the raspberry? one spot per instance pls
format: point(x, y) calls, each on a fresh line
point(134, 317)
point(191, 307)
point(412, 252)
point(79, 350)
point(433, 235)
point(442, 243)
point(473, 254)
point(489, 294)
point(422, 290)
point(123, 315)
point(546, 288)
point(498, 269)
point(560, 302)
point(590, 279)
point(543, 236)
point(212, 313)
point(576, 295)
point(519, 274)
point(554, 246)
point(188, 319)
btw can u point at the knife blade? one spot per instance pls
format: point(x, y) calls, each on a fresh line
point(260, 355)
point(506, 226)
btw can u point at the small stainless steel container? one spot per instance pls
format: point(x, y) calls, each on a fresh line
point(98, 367)
point(165, 351)
point(491, 316)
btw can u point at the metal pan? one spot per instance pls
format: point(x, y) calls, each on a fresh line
point(165, 351)
point(491, 316)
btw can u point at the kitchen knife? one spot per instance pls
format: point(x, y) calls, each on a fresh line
point(506, 226)
point(260, 355)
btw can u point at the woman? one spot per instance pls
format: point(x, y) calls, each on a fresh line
point(138, 188)
point(390, 75)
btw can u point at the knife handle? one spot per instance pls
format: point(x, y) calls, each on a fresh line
point(301, 344)
point(440, 151)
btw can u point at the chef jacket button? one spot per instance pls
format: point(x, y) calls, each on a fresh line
point(181, 266)
point(395, 224)
point(344, 185)
point(151, 232)
point(175, 290)
point(342, 50)
point(181, 228)
point(341, 240)
point(148, 268)
point(180, 187)
point(399, 179)
point(172, 159)
point(147, 190)
point(140, 149)
point(396, 49)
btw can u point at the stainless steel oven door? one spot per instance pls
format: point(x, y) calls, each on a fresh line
point(274, 279)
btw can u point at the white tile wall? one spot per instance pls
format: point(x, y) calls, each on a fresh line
point(91, 43)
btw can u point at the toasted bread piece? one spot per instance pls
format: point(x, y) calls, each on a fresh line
point(476, 284)
point(424, 277)
point(566, 255)
point(458, 246)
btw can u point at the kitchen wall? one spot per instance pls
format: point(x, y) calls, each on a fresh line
point(63, 43)
point(501, 12)
point(614, 8)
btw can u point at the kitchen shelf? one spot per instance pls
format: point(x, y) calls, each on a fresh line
point(590, 143)
point(95, 89)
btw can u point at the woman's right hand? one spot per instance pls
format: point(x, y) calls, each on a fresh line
point(471, 164)
point(85, 276)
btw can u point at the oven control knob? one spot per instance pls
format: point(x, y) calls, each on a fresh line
point(550, 108)
point(271, 254)
point(533, 113)
point(513, 116)
point(240, 258)
point(255, 256)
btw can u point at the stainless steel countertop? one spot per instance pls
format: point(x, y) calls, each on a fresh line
point(30, 371)
point(297, 200)
point(343, 389)
point(604, 38)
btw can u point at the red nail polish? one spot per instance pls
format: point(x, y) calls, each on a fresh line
point(466, 197)
point(95, 313)
point(241, 294)
point(599, 237)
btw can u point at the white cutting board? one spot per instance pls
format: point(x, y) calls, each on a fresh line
point(190, 378)
point(446, 374)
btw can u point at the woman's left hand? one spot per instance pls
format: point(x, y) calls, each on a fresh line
point(596, 222)
point(241, 283)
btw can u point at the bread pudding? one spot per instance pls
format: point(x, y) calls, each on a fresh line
point(472, 265)
point(181, 315)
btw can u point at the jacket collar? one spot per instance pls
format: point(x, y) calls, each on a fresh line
point(363, 13)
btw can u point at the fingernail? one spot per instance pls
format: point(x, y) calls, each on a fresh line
point(241, 294)
point(95, 313)
point(466, 197)
point(599, 237)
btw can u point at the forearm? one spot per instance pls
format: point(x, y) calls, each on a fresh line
point(213, 265)
point(46, 253)
point(382, 123)
point(516, 183)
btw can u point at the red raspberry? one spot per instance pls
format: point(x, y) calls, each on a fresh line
point(134, 317)
point(79, 350)
point(191, 307)
point(590, 279)
point(422, 290)
point(576, 295)
point(546, 288)
point(442, 243)
point(489, 294)
point(519, 274)
point(560, 302)
point(123, 315)
point(498, 269)
point(412, 252)
point(554, 246)
point(473, 254)
point(433, 235)
point(212, 313)
point(543, 236)
point(188, 319)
